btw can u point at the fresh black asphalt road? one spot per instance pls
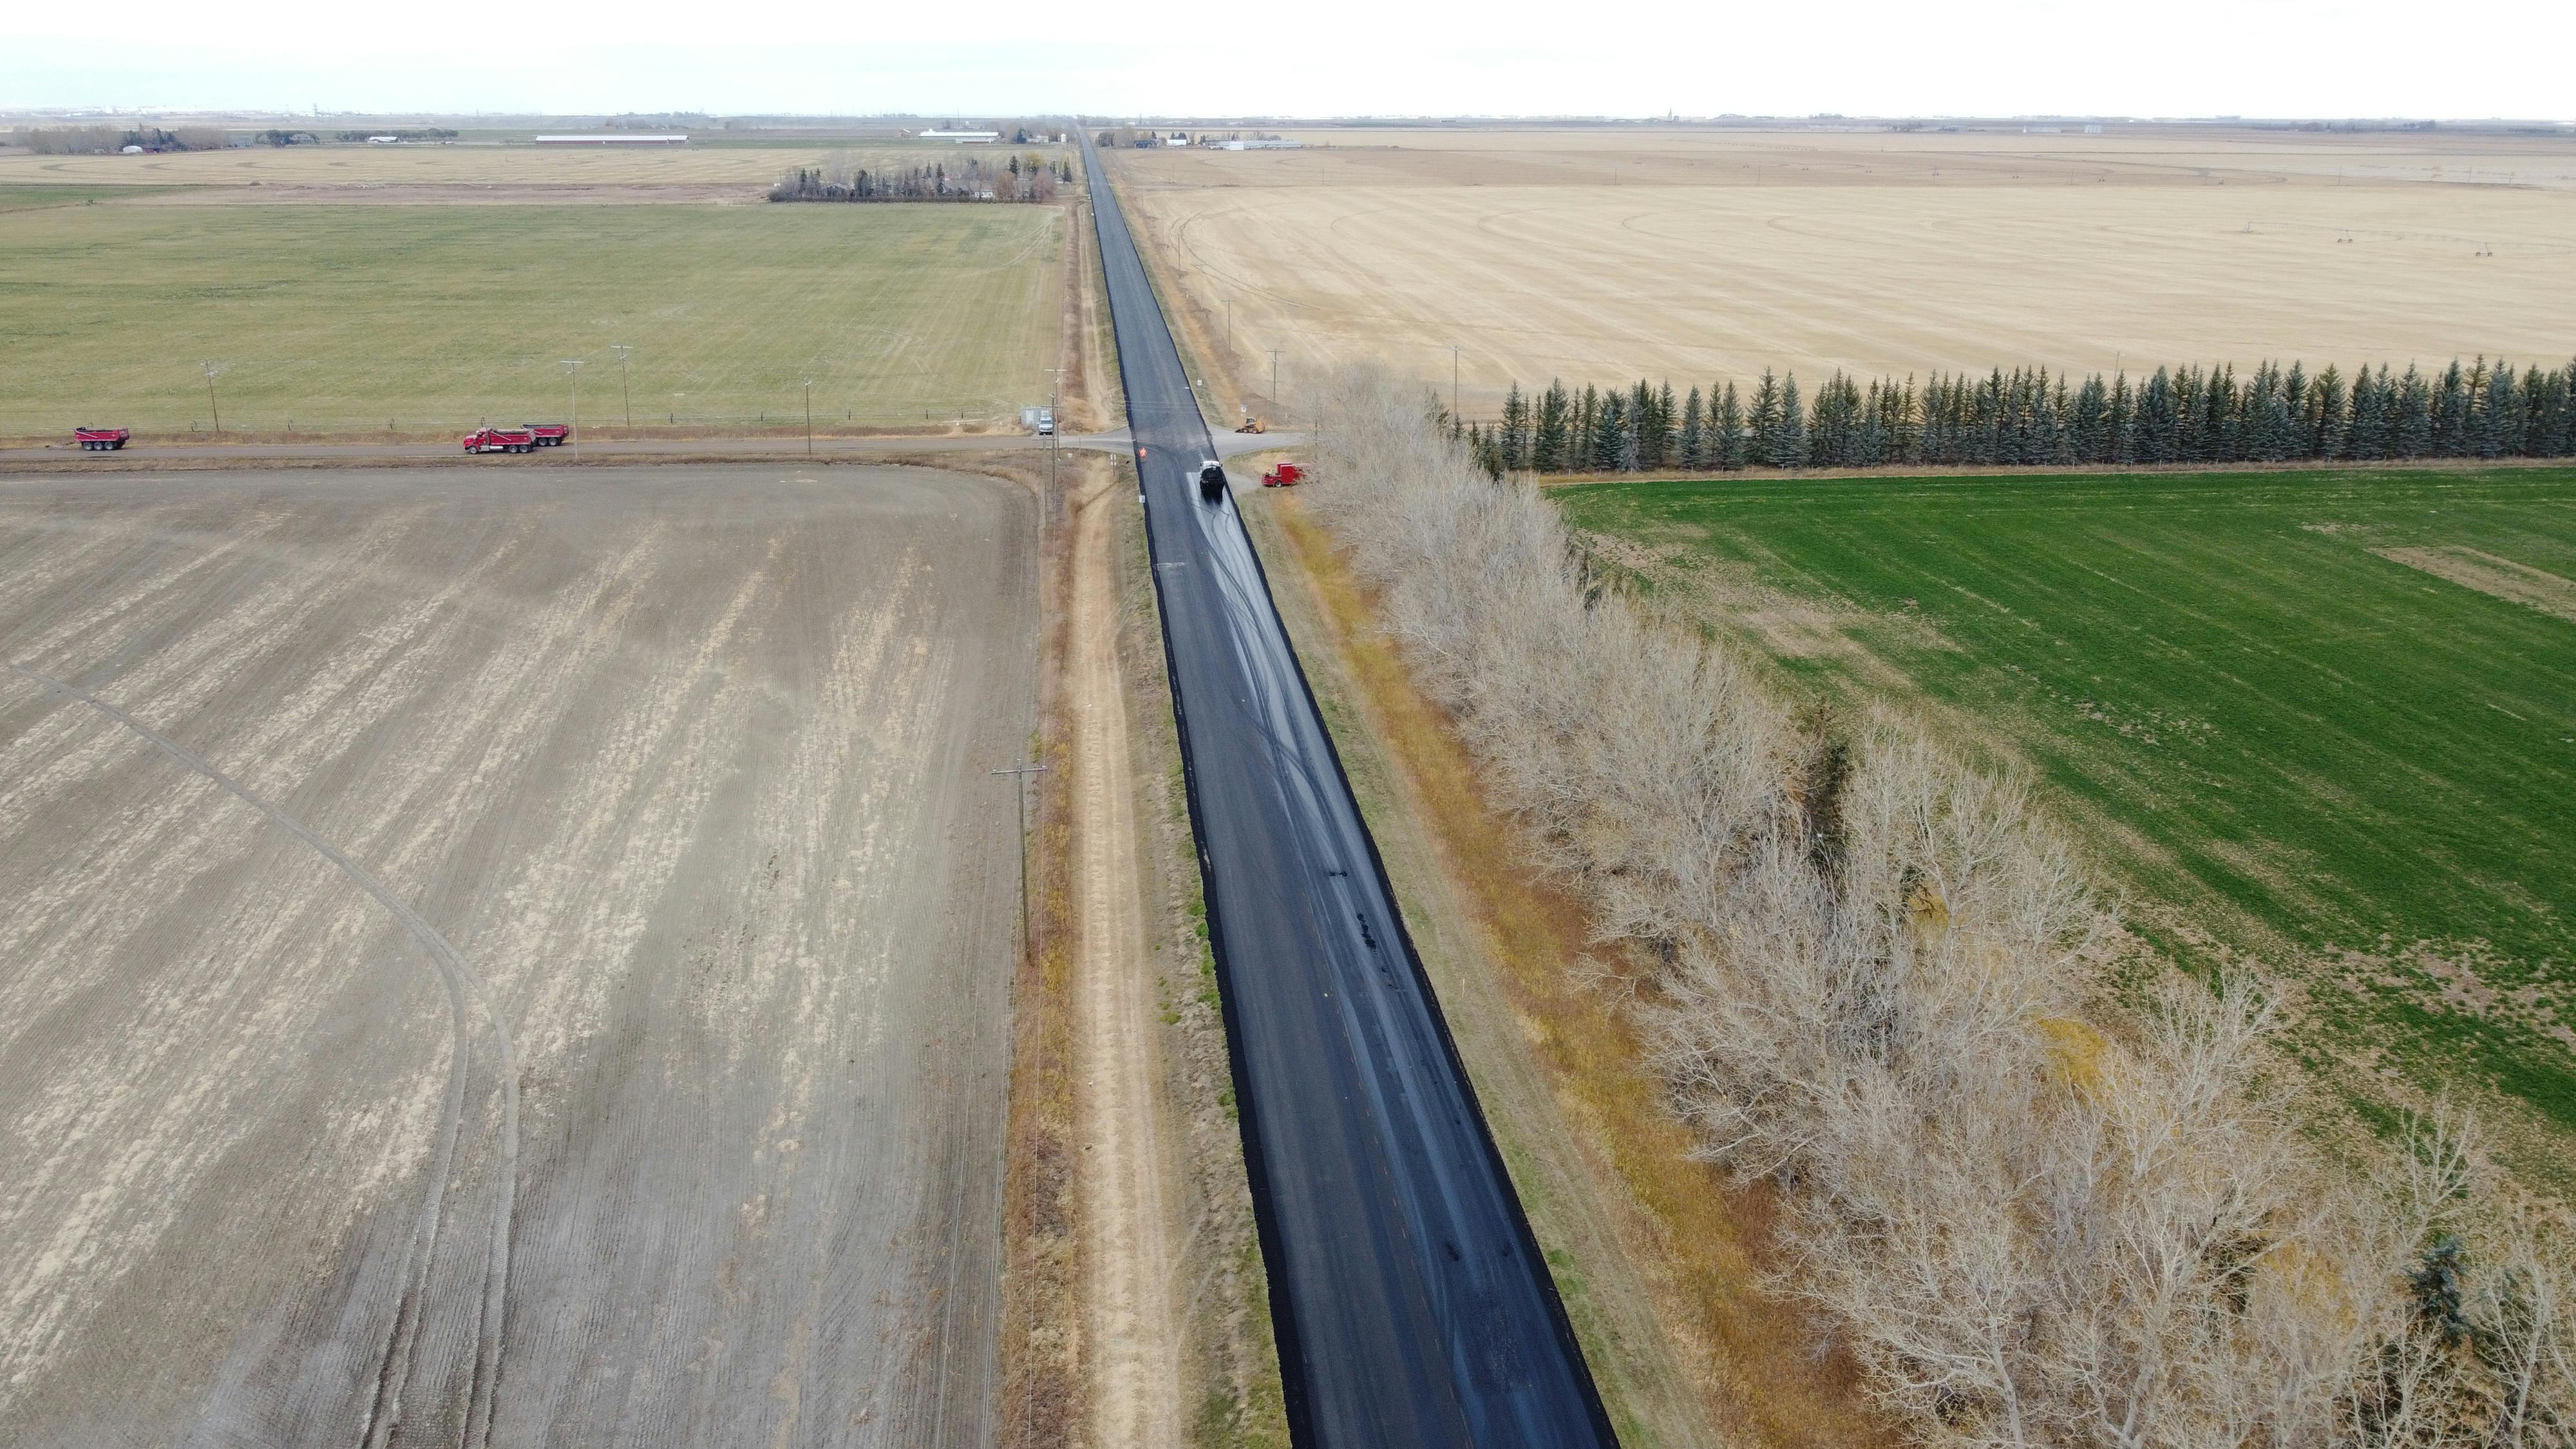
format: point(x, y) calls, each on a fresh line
point(1411, 1302)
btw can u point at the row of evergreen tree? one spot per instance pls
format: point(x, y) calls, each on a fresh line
point(2029, 417)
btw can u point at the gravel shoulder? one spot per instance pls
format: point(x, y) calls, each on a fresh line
point(671, 787)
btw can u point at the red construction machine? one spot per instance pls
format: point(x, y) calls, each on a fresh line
point(102, 440)
point(1286, 475)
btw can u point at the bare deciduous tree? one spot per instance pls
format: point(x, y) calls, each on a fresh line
point(1877, 969)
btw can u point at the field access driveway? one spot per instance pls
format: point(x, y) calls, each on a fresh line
point(507, 958)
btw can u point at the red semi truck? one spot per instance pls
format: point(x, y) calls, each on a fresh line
point(501, 440)
point(102, 440)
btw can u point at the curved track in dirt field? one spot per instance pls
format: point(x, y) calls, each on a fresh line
point(462, 981)
point(682, 773)
point(1412, 1304)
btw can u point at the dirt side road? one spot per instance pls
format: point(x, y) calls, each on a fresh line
point(1132, 1255)
point(335, 806)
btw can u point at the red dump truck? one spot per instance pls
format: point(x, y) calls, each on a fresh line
point(102, 440)
point(501, 440)
point(550, 435)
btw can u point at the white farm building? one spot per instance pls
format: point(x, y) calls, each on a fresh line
point(616, 138)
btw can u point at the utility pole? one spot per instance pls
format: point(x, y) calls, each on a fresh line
point(621, 349)
point(572, 368)
point(211, 405)
point(1274, 381)
point(1055, 425)
point(809, 417)
point(1453, 384)
point(1020, 788)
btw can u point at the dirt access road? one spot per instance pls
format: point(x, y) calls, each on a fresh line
point(1131, 1252)
point(507, 959)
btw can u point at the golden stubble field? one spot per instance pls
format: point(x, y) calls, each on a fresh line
point(1601, 255)
point(403, 290)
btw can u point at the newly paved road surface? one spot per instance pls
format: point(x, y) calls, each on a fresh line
point(512, 958)
point(1412, 1305)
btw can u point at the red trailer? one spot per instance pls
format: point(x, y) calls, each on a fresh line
point(500, 440)
point(102, 440)
point(550, 435)
point(1286, 475)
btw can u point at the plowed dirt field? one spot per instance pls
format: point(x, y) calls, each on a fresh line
point(507, 958)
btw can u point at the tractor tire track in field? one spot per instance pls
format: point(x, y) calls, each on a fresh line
point(678, 778)
point(462, 981)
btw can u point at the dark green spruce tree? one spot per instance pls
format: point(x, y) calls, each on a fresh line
point(1512, 443)
point(1791, 443)
point(1551, 434)
point(1762, 420)
point(1691, 443)
point(1727, 442)
point(1609, 433)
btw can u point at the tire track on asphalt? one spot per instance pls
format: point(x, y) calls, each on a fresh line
point(462, 981)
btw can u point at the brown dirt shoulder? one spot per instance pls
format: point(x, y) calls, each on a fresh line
point(1230, 1389)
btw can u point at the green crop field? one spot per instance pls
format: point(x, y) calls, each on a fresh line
point(37, 196)
point(2261, 700)
point(348, 318)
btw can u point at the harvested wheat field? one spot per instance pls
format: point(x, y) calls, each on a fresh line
point(412, 318)
point(513, 959)
point(1605, 254)
point(739, 170)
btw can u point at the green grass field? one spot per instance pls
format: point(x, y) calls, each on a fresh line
point(38, 196)
point(346, 318)
point(2277, 740)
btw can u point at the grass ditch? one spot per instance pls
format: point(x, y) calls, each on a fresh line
point(1042, 1319)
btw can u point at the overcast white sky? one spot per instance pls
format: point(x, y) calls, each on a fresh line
point(1320, 58)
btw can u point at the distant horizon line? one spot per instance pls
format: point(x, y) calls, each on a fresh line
point(1358, 118)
